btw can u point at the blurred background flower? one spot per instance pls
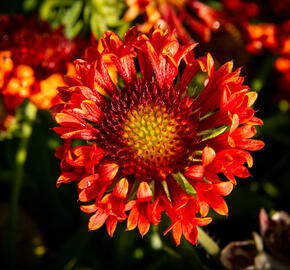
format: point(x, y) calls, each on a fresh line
point(34, 59)
point(268, 250)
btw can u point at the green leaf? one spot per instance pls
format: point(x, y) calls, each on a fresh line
point(47, 8)
point(180, 178)
point(87, 13)
point(212, 133)
point(74, 30)
point(72, 14)
point(98, 25)
point(29, 5)
point(123, 28)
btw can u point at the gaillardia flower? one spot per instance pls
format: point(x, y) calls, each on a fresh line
point(149, 146)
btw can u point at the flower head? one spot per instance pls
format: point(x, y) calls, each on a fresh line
point(149, 146)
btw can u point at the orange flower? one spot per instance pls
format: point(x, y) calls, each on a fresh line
point(47, 95)
point(261, 36)
point(35, 63)
point(172, 14)
point(160, 149)
point(6, 65)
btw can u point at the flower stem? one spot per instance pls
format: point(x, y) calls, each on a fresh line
point(208, 243)
point(30, 112)
point(262, 75)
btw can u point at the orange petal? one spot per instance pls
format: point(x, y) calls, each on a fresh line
point(144, 192)
point(108, 171)
point(208, 155)
point(89, 208)
point(111, 225)
point(98, 219)
point(176, 233)
point(202, 221)
point(195, 172)
point(219, 205)
point(204, 208)
point(235, 123)
point(190, 232)
point(88, 181)
point(132, 220)
point(223, 189)
point(121, 188)
point(143, 224)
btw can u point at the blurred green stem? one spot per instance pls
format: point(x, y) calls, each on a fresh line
point(264, 70)
point(208, 243)
point(30, 112)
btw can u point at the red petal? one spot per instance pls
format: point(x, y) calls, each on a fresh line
point(91, 111)
point(250, 144)
point(72, 81)
point(88, 181)
point(207, 64)
point(195, 172)
point(223, 189)
point(121, 188)
point(143, 224)
point(208, 155)
point(98, 219)
point(187, 75)
point(82, 153)
point(235, 123)
point(202, 221)
point(111, 225)
point(176, 233)
point(132, 220)
point(67, 177)
point(144, 192)
point(244, 132)
point(219, 205)
point(252, 98)
point(189, 232)
point(255, 121)
point(130, 205)
point(71, 133)
point(67, 120)
point(108, 171)
point(204, 208)
point(88, 194)
point(241, 171)
point(89, 208)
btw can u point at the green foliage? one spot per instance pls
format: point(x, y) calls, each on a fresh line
point(76, 16)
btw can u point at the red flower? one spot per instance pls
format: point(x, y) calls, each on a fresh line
point(33, 60)
point(172, 148)
point(200, 18)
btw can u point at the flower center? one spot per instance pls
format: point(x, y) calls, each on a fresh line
point(154, 138)
point(151, 133)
